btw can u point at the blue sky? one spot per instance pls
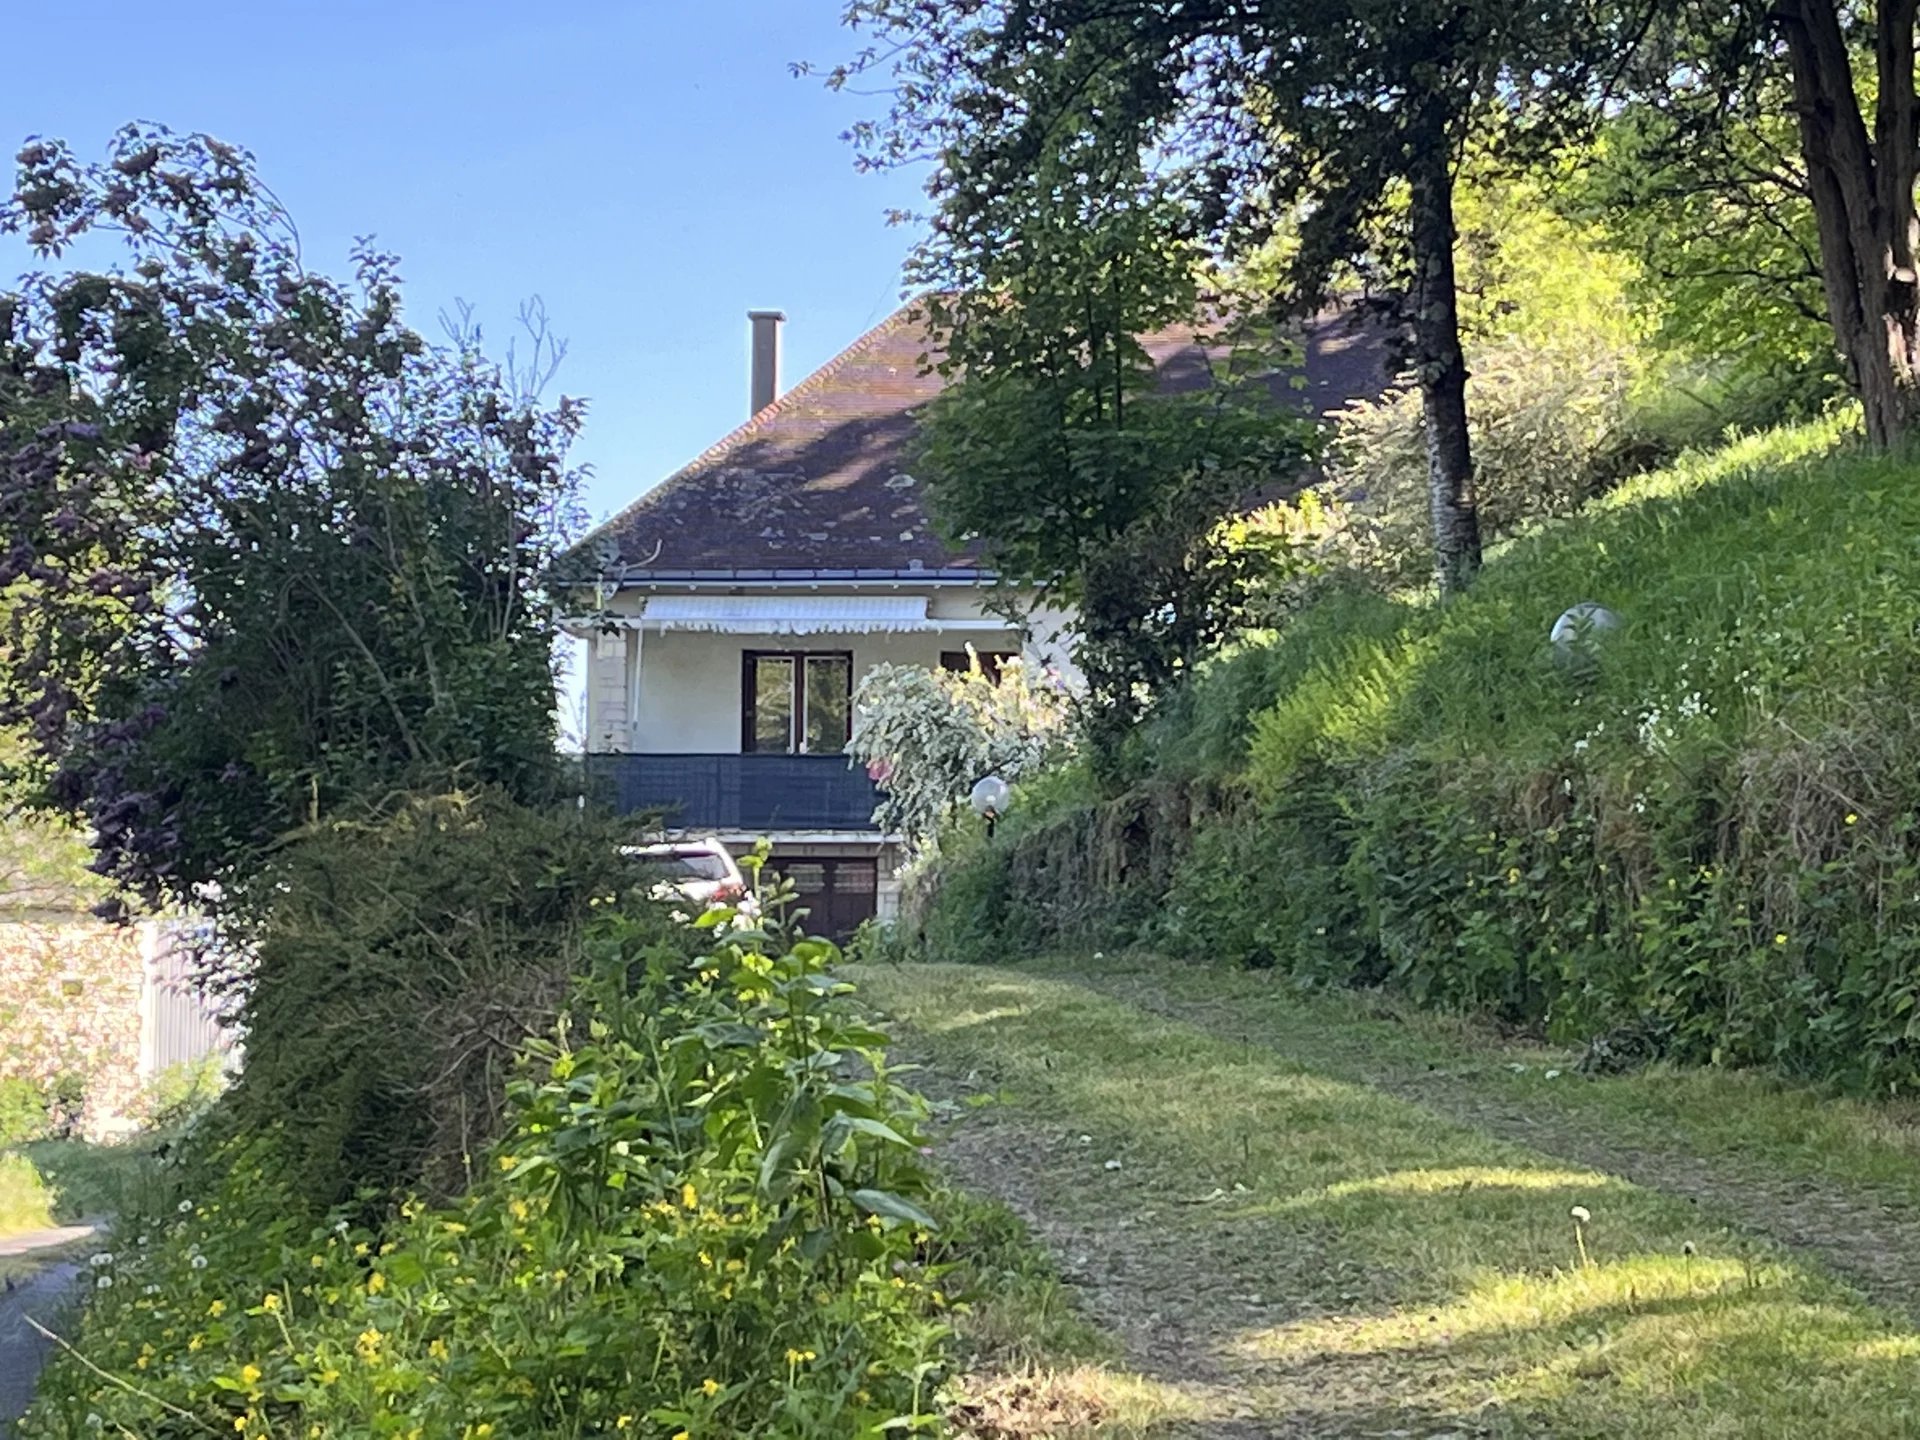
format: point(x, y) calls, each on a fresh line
point(651, 170)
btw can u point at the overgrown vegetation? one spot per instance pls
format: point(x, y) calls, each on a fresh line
point(927, 736)
point(1694, 841)
point(271, 552)
point(703, 1215)
point(513, 1151)
point(406, 958)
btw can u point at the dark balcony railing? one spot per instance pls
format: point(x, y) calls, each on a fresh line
point(737, 792)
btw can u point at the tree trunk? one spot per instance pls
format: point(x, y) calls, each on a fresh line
point(1863, 203)
point(1439, 363)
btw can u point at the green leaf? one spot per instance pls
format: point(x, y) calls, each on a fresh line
point(891, 1207)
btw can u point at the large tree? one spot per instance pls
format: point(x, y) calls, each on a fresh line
point(1055, 450)
point(1842, 75)
point(268, 550)
point(1337, 121)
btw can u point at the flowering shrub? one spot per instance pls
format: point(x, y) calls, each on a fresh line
point(704, 1219)
point(926, 736)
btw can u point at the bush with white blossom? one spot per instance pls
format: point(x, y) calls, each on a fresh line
point(926, 736)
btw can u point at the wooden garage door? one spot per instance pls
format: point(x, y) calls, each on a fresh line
point(837, 893)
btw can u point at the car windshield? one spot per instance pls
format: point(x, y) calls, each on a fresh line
point(695, 865)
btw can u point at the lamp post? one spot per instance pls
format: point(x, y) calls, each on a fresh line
point(990, 799)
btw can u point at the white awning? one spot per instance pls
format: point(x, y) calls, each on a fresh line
point(799, 614)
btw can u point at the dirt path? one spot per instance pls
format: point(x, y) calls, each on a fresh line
point(1179, 1298)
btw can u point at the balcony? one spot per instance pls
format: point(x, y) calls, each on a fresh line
point(756, 794)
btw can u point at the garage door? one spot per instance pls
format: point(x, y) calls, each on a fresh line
point(837, 893)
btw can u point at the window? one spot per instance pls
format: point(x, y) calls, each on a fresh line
point(796, 702)
point(990, 661)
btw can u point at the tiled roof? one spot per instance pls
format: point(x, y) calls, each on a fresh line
point(821, 480)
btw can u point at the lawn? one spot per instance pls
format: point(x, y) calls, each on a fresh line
point(58, 1182)
point(25, 1202)
point(1252, 1196)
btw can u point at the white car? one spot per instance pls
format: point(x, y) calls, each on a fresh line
point(701, 873)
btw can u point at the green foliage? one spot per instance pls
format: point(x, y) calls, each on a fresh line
point(926, 736)
point(1111, 501)
point(1702, 843)
point(404, 958)
point(24, 1202)
point(705, 1216)
point(1580, 374)
point(1720, 231)
point(43, 859)
point(271, 552)
point(183, 1092)
point(23, 1110)
point(85, 1181)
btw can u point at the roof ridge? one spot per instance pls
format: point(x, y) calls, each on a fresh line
point(755, 422)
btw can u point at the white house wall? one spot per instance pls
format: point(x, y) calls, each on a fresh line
point(689, 681)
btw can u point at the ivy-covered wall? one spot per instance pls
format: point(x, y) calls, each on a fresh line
point(70, 1012)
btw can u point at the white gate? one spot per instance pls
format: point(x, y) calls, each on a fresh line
point(178, 1024)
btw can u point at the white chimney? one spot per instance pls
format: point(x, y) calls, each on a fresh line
point(766, 358)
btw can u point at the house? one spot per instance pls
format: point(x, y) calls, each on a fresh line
point(751, 590)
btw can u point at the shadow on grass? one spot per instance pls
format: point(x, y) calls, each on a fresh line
point(1301, 1254)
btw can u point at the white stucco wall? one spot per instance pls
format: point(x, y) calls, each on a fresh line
point(689, 681)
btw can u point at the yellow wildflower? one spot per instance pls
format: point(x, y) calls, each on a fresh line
point(217, 1309)
point(376, 1282)
point(249, 1374)
point(270, 1302)
point(316, 1262)
point(240, 1422)
point(507, 1162)
point(711, 1387)
point(438, 1349)
point(1852, 819)
point(689, 1197)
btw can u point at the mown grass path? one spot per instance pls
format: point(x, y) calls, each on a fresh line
point(1330, 1217)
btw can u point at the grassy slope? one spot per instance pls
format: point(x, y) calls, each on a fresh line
point(1387, 1265)
point(1705, 837)
point(1742, 573)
